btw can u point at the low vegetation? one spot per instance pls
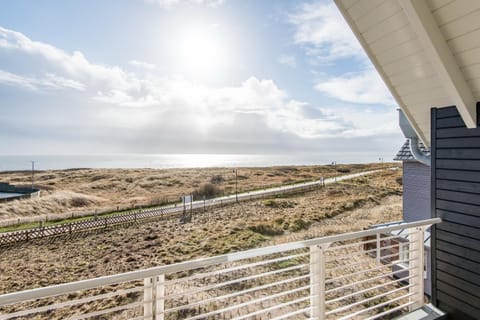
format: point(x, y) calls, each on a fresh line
point(374, 199)
point(86, 191)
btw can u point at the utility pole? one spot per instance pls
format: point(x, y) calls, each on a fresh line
point(334, 164)
point(236, 184)
point(33, 171)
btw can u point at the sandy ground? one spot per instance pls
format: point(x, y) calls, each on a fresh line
point(88, 190)
point(344, 207)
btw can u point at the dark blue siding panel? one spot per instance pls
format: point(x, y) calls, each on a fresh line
point(455, 183)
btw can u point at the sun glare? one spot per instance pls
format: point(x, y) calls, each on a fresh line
point(201, 53)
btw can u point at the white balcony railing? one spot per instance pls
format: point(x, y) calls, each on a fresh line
point(347, 276)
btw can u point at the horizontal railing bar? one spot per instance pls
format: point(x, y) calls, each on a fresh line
point(397, 254)
point(70, 303)
point(26, 295)
point(336, 248)
point(334, 258)
point(382, 285)
point(109, 310)
point(285, 304)
point(368, 280)
point(244, 304)
point(391, 310)
point(368, 270)
point(358, 252)
point(346, 246)
point(243, 266)
point(366, 261)
point(288, 315)
point(348, 306)
point(222, 284)
point(141, 318)
point(226, 296)
point(349, 265)
point(376, 306)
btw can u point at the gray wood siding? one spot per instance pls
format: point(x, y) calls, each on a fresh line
point(455, 180)
point(416, 194)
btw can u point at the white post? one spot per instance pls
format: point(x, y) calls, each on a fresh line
point(379, 251)
point(160, 297)
point(416, 257)
point(148, 298)
point(317, 281)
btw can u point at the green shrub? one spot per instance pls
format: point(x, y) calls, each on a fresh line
point(217, 179)
point(207, 190)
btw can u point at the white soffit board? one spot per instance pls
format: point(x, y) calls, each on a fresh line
point(427, 53)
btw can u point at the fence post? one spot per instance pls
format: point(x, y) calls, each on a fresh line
point(317, 281)
point(416, 264)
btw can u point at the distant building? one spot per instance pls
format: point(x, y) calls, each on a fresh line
point(416, 196)
point(416, 184)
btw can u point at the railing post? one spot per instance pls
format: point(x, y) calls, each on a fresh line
point(317, 281)
point(416, 257)
point(154, 298)
point(159, 297)
point(148, 298)
point(379, 250)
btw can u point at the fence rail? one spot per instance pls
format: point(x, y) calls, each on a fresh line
point(142, 215)
point(334, 277)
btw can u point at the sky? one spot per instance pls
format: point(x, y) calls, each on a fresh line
point(191, 76)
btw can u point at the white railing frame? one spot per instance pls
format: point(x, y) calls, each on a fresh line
point(154, 278)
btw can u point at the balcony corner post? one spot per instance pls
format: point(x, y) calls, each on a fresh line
point(317, 281)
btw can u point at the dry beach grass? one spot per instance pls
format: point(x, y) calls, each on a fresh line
point(344, 207)
point(83, 191)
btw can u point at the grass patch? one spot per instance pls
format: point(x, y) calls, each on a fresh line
point(299, 224)
point(266, 230)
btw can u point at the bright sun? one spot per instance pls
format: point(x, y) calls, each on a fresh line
point(201, 52)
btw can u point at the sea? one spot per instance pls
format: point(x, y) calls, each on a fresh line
point(54, 162)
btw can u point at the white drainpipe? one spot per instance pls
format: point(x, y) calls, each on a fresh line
point(412, 136)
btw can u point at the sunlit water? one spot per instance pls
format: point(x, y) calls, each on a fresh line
point(47, 162)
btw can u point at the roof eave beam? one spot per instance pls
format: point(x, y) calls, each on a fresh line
point(442, 59)
point(378, 67)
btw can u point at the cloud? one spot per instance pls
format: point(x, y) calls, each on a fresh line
point(49, 81)
point(68, 70)
point(135, 111)
point(321, 28)
point(171, 3)
point(364, 87)
point(287, 60)
point(143, 65)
